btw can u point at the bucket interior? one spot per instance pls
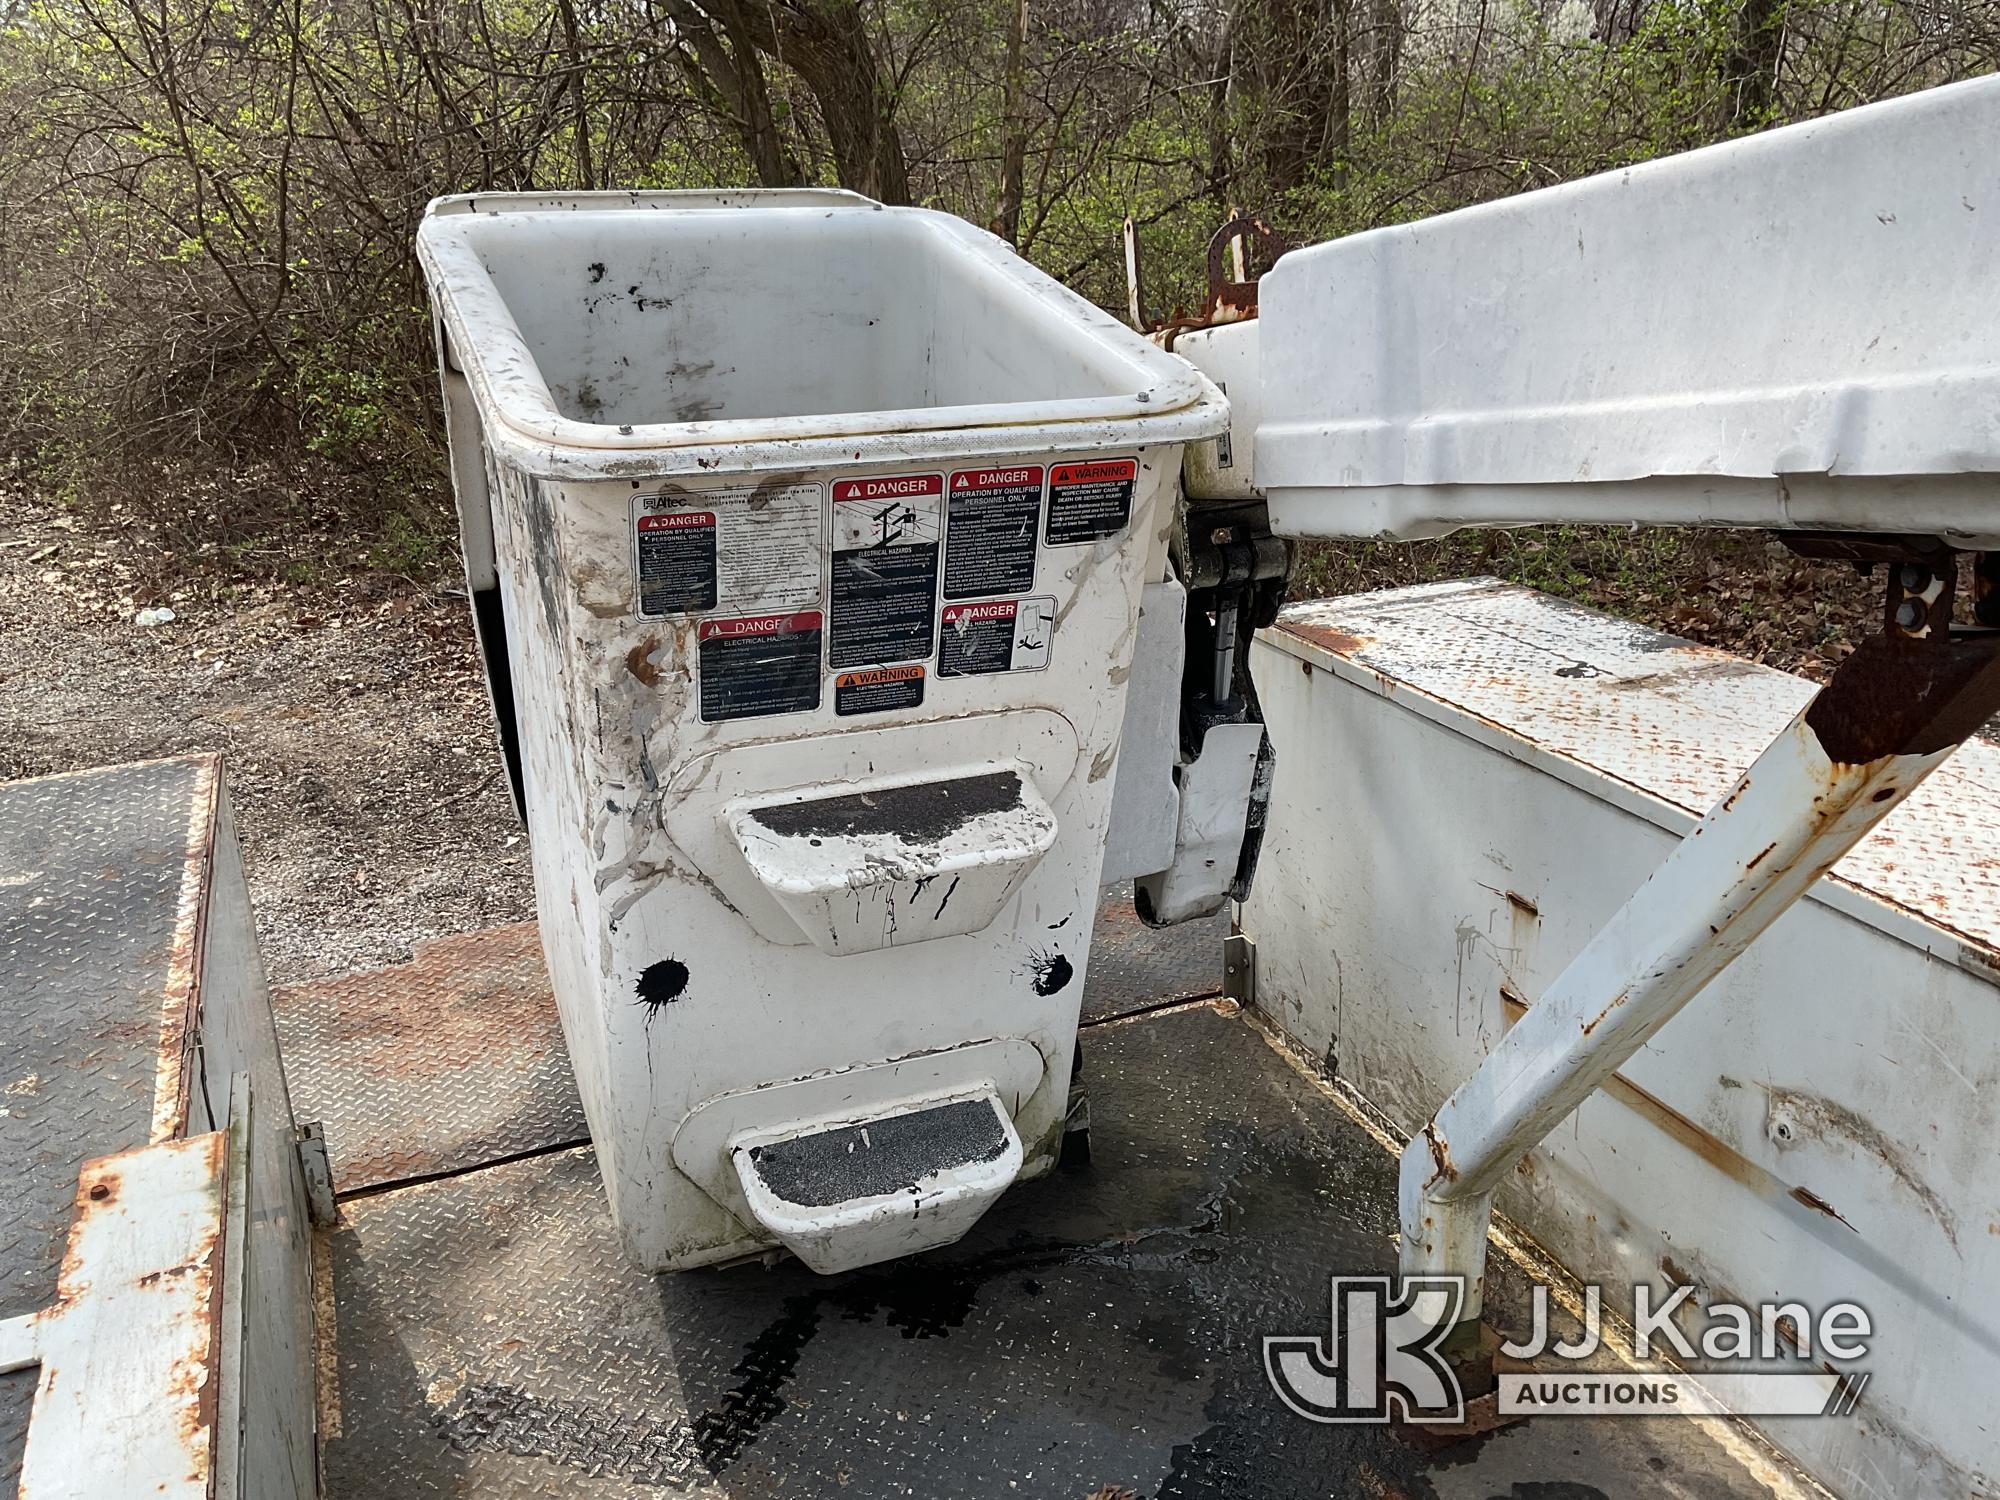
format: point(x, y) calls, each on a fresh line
point(641, 318)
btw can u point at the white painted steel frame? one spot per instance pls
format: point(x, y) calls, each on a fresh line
point(130, 1351)
point(1787, 822)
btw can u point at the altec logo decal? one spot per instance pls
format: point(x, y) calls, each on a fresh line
point(972, 614)
point(677, 520)
point(901, 488)
point(759, 625)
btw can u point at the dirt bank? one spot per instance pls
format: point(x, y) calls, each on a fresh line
point(368, 792)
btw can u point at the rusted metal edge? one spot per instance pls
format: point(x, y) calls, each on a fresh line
point(83, 773)
point(129, 1385)
point(1684, 1132)
point(180, 1000)
point(1806, 1208)
point(1336, 652)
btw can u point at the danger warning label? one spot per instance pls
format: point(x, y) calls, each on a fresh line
point(676, 561)
point(741, 550)
point(1006, 635)
point(1088, 501)
point(759, 665)
point(886, 536)
point(878, 689)
point(989, 543)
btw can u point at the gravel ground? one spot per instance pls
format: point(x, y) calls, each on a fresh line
point(368, 790)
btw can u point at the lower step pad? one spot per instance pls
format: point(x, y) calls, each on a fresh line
point(847, 1194)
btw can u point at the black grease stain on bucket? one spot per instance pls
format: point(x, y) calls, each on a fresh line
point(1050, 970)
point(662, 983)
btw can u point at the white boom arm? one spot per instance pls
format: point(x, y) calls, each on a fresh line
point(1792, 330)
point(1798, 330)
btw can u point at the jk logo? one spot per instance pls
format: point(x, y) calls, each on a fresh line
point(1382, 1359)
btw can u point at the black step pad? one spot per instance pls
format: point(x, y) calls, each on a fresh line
point(888, 1155)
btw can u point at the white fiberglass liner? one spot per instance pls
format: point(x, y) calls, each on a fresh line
point(668, 322)
point(1796, 329)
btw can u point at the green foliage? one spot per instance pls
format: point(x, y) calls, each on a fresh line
point(207, 260)
point(414, 546)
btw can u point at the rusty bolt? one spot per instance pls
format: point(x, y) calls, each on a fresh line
point(1915, 576)
point(1909, 614)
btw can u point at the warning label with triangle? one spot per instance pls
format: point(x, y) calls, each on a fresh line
point(990, 531)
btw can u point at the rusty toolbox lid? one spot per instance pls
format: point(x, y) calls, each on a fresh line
point(1661, 727)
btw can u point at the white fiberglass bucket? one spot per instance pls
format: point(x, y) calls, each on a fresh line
point(806, 539)
point(778, 325)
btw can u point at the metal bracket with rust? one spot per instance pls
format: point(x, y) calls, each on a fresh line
point(1239, 968)
point(1893, 713)
point(1232, 290)
point(1922, 685)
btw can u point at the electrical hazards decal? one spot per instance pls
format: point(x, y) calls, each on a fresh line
point(740, 550)
point(1091, 500)
point(1006, 635)
point(878, 689)
point(886, 536)
point(759, 665)
point(989, 542)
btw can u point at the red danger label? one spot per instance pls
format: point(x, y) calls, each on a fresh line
point(677, 520)
point(755, 666)
point(973, 614)
point(901, 487)
point(751, 625)
point(996, 479)
point(1103, 471)
point(999, 635)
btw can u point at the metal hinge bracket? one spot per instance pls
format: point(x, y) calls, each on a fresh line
point(317, 1169)
point(1239, 968)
